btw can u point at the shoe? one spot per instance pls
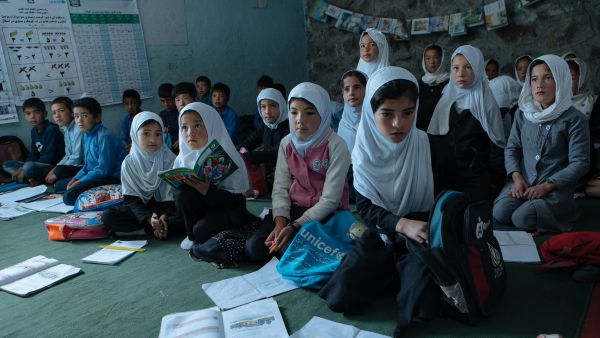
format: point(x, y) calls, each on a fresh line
point(186, 244)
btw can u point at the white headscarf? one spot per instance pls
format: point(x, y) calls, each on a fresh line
point(139, 170)
point(506, 90)
point(584, 100)
point(567, 57)
point(478, 98)
point(394, 176)
point(238, 181)
point(349, 122)
point(382, 59)
point(273, 95)
point(319, 97)
point(440, 75)
point(531, 109)
point(516, 72)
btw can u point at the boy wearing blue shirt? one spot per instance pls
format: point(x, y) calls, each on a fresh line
point(104, 151)
point(71, 163)
point(132, 103)
point(169, 115)
point(47, 146)
point(220, 98)
point(203, 89)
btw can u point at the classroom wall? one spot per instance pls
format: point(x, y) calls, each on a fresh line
point(546, 27)
point(229, 41)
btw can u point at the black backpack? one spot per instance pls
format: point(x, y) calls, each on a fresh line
point(464, 257)
point(11, 148)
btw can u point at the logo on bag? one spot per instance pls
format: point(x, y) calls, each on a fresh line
point(481, 227)
point(318, 243)
point(496, 261)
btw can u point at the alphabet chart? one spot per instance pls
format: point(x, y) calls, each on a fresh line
point(111, 48)
point(8, 112)
point(39, 49)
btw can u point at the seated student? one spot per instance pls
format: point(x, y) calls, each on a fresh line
point(148, 199)
point(492, 69)
point(547, 152)
point(274, 111)
point(506, 92)
point(204, 207)
point(521, 65)
point(71, 163)
point(469, 117)
point(203, 85)
point(394, 201)
point(310, 176)
point(183, 94)
point(374, 51)
point(281, 88)
point(103, 151)
point(169, 116)
point(431, 84)
point(132, 102)
point(264, 82)
point(353, 89)
point(47, 146)
point(220, 97)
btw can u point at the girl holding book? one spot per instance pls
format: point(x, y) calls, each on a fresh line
point(148, 199)
point(310, 175)
point(208, 206)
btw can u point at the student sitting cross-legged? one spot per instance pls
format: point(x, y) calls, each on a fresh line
point(204, 207)
point(548, 151)
point(148, 199)
point(104, 151)
point(310, 175)
point(398, 169)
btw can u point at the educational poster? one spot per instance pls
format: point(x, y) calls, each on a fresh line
point(8, 111)
point(111, 48)
point(39, 49)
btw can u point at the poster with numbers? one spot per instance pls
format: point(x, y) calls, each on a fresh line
point(39, 52)
point(111, 48)
point(8, 111)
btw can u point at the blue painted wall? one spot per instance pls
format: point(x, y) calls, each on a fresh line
point(230, 42)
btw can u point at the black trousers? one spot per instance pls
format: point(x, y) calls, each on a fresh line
point(202, 219)
point(64, 173)
point(122, 218)
point(372, 268)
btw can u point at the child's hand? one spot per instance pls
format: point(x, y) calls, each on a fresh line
point(72, 183)
point(51, 177)
point(539, 191)
point(519, 186)
point(18, 175)
point(415, 230)
point(200, 186)
point(160, 226)
point(280, 223)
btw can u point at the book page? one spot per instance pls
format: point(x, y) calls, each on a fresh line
point(319, 327)
point(215, 163)
point(174, 177)
point(257, 319)
point(517, 246)
point(40, 280)
point(22, 194)
point(235, 291)
point(44, 202)
point(114, 256)
point(25, 268)
point(204, 323)
point(13, 210)
point(60, 207)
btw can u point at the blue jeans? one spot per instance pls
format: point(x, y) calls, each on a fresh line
point(31, 169)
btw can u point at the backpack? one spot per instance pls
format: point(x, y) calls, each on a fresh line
point(571, 249)
point(464, 257)
point(11, 148)
point(80, 225)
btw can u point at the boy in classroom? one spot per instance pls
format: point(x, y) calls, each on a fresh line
point(132, 103)
point(220, 97)
point(169, 116)
point(183, 93)
point(104, 151)
point(203, 85)
point(71, 163)
point(265, 81)
point(47, 146)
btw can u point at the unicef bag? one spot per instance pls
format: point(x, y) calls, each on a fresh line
point(317, 250)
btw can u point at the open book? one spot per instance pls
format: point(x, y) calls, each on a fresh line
point(258, 319)
point(517, 246)
point(34, 274)
point(115, 252)
point(235, 291)
point(213, 163)
point(323, 328)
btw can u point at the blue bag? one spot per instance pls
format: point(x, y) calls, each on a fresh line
point(317, 250)
point(99, 198)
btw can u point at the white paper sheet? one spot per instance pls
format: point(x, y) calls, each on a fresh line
point(44, 203)
point(324, 328)
point(114, 256)
point(205, 323)
point(25, 268)
point(22, 194)
point(257, 319)
point(60, 208)
point(517, 246)
point(13, 210)
point(40, 280)
point(265, 282)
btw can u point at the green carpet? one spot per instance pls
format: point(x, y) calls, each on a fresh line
point(130, 299)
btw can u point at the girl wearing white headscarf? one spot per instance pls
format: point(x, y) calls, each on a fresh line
point(521, 65)
point(547, 152)
point(398, 170)
point(469, 117)
point(274, 113)
point(148, 199)
point(310, 176)
point(207, 208)
point(353, 89)
point(506, 92)
point(374, 51)
point(583, 98)
point(431, 83)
